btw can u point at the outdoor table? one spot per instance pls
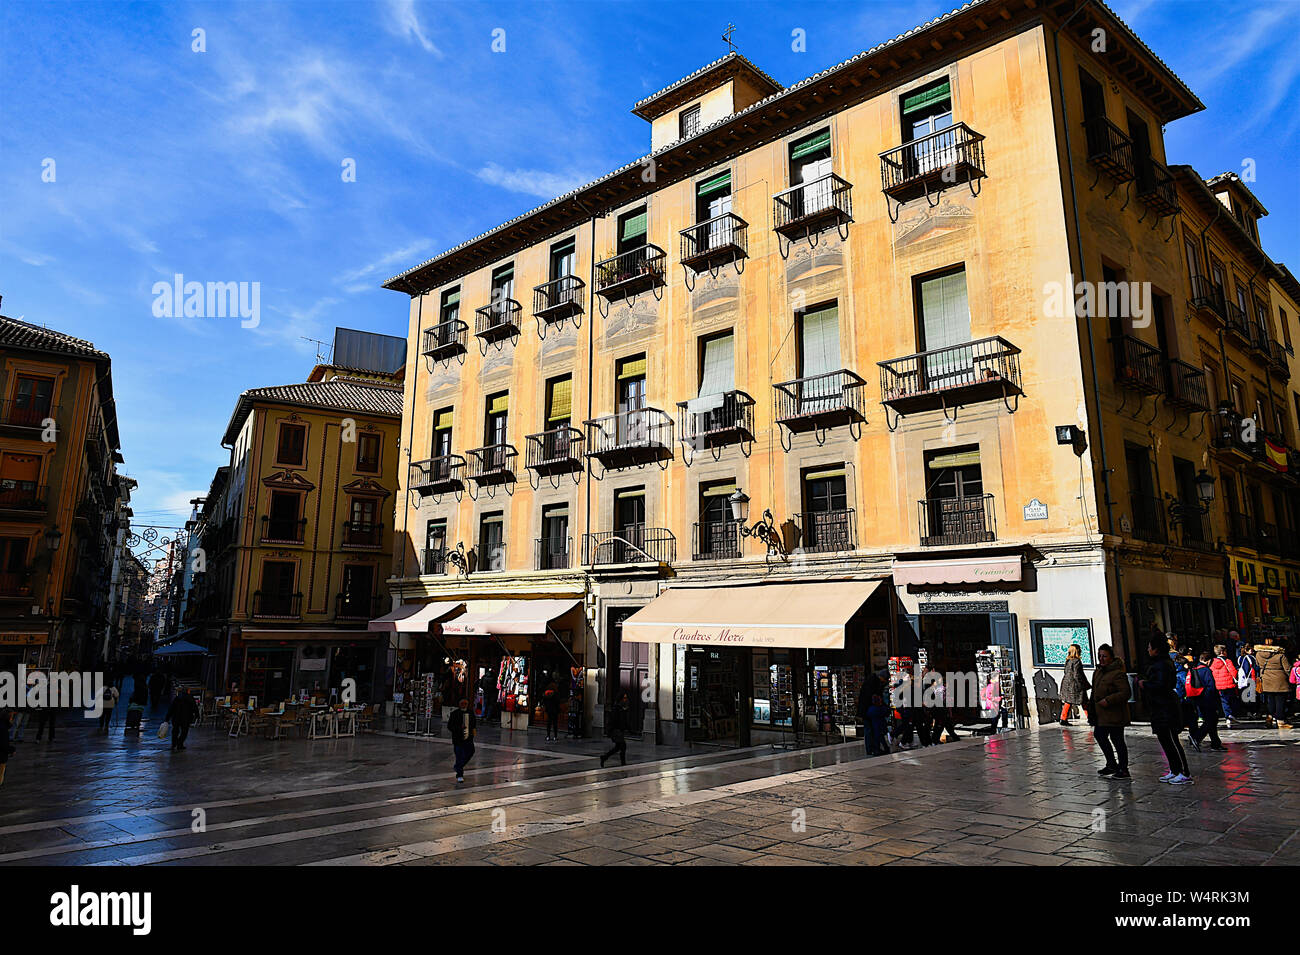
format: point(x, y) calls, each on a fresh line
point(239, 723)
point(322, 725)
point(273, 728)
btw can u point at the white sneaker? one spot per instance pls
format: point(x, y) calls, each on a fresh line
point(1180, 780)
point(1167, 776)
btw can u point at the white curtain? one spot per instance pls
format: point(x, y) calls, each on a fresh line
point(719, 366)
point(821, 342)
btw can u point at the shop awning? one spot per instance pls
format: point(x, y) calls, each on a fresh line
point(966, 570)
point(178, 648)
point(811, 615)
point(519, 617)
point(417, 618)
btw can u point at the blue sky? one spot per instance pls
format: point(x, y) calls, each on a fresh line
point(225, 165)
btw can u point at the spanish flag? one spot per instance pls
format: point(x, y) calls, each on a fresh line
point(1276, 454)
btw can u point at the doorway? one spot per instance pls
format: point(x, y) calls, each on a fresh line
point(627, 667)
point(713, 687)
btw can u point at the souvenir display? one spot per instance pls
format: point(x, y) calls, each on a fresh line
point(512, 684)
point(835, 695)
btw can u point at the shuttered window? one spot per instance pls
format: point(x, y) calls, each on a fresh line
point(633, 227)
point(560, 402)
point(716, 184)
point(811, 144)
point(719, 371)
point(820, 341)
point(633, 367)
point(945, 313)
point(938, 94)
point(499, 404)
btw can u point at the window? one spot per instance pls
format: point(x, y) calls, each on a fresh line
point(277, 597)
point(358, 590)
point(449, 310)
point(1238, 397)
point(629, 525)
point(435, 547)
point(496, 420)
point(1148, 522)
point(688, 122)
point(1094, 98)
point(1193, 527)
point(943, 321)
point(442, 421)
point(712, 203)
point(368, 452)
point(13, 558)
point(503, 292)
point(717, 364)
point(491, 542)
point(717, 538)
point(632, 426)
point(1137, 131)
point(1286, 328)
point(956, 507)
point(819, 340)
point(632, 230)
point(292, 445)
point(559, 402)
point(825, 523)
point(282, 522)
point(1211, 384)
point(1217, 276)
point(31, 401)
point(553, 551)
point(810, 165)
point(926, 114)
point(364, 511)
point(1193, 257)
point(563, 258)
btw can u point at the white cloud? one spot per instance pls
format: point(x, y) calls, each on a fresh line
point(405, 22)
point(361, 280)
point(533, 182)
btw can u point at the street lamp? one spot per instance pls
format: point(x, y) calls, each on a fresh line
point(53, 537)
point(762, 530)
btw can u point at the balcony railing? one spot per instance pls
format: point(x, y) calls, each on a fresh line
point(559, 298)
point(1259, 342)
point(25, 414)
point(814, 205)
point(715, 540)
point(827, 532)
point(821, 401)
point(1208, 296)
point(1156, 189)
point(634, 544)
point(1279, 358)
point(497, 321)
point(23, 496)
point(631, 272)
point(277, 605)
point(1148, 519)
point(714, 242)
point(433, 562)
point(552, 553)
point(1236, 322)
point(1138, 366)
point(1194, 528)
point(982, 370)
point(493, 464)
point(954, 521)
point(1186, 386)
point(1109, 149)
point(1228, 432)
point(348, 606)
point(283, 530)
point(713, 421)
point(444, 341)
point(558, 451)
point(489, 557)
point(1241, 530)
point(363, 534)
point(630, 438)
point(934, 162)
point(436, 475)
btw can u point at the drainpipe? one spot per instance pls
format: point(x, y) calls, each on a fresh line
point(410, 431)
point(1092, 351)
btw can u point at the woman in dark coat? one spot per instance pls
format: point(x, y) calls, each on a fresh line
point(1165, 709)
point(1109, 712)
point(1074, 684)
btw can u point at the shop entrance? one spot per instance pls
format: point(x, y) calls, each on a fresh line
point(268, 675)
point(713, 696)
point(628, 669)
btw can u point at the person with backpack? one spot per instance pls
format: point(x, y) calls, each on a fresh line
point(1108, 711)
point(1204, 697)
point(1162, 707)
point(1274, 680)
point(1247, 677)
point(1225, 681)
point(1188, 691)
point(616, 728)
point(108, 697)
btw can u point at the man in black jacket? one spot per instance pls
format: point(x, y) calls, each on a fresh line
point(181, 715)
point(462, 727)
point(616, 727)
point(1164, 710)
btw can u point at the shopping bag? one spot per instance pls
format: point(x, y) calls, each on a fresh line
point(164, 729)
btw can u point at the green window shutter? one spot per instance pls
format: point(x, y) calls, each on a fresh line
point(719, 183)
point(811, 144)
point(927, 97)
point(500, 404)
point(632, 368)
point(561, 400)
point(633, 226)
point(444, 421)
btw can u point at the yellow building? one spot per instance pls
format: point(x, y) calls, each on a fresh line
point(297, 537)
point(849, 304)
point(60, 497)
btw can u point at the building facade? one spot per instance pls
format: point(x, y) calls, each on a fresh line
point(887, 309)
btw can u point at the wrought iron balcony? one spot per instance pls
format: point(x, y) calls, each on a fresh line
point(1208, 297)
point(812, 206)
point(277, 605)
point(436, 475)
point(1156, 189)
point(982, 370)
point(634, 544)
point(1259, 342)
point(348, 606)
point(558, 451)
point(363, 534)
point(23, 414)
point(631, 272)
point(491, 465)
point(498, 321)
point(1185, 386)
point(1148, 519)
point(1109, 149)
point(715, 540)
point(552, 553)
point(444, 341)
point(826, 532)
point(1237, 323)
point(1241, 530)
point(433, 562)
point(630, 438)
point(821, 401)
point(956, 521)
point(559, 298)
point(1138, 366)
point(1229, 432)
point(932, 163)
point(1279, 358)
point(714, 242)
point(1193, 528)
point(283, 530)
point(23, 496)
point(714, 421)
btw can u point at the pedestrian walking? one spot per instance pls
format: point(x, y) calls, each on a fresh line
point(1204, 696)
point(1247, 680)
point(1074, 683)
point(1188, 692)
point(616, 729)
point(462, 727)
point(991, 707)
point(6, 748)
point(871, 713)
point(1163, 708)
point(1225, 681)
point(551, 704)
point(1274, 682)
point(181, 715)
point(108, 698)
point(1109, 712)
point(46, 718)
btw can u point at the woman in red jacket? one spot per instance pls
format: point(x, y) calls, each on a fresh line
point(1225, 681)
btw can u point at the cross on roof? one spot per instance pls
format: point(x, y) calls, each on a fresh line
point(727, 34)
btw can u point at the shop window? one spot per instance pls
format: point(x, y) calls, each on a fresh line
point(368, 445)
point(291, 445)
